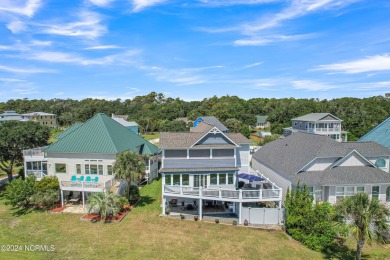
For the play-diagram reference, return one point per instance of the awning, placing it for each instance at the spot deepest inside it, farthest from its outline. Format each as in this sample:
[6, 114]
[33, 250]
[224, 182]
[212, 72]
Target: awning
[250, 177]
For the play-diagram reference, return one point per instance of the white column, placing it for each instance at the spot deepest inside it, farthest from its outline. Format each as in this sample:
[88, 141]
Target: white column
[188, 153]
[62, 198]
[235, 157]
[163, 158]
[200, 209]
[164, 202]
[240, 214]
[83, 194]
[211, 153]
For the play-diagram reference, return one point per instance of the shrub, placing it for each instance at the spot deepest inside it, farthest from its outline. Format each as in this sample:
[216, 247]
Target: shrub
[47, 183]
[45, 199]
[308, 223]
[134, 192]
[18, 192]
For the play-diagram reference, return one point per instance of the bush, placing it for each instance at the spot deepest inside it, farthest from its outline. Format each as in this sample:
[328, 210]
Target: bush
[308, 223]
[45, 199]
[47, 184]
[134, 192]
[18, 192]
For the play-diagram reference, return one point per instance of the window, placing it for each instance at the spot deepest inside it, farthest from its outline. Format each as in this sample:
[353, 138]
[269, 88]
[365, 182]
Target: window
[78, 168]
[214, 179]
[230, 178]
[175, 153]
[185, 178]
[306, 125]
[222, 179]
[388, 194]
[93, 169]
[295, 123]
[223, 152]
[310, 190]
[380, 163]
[109, 169]
[100, 169]
[60, 167]
[360, 189]
[348, 191]
[176, 179]
[375, 192]
[205, 153]
[87, 169]
[168, 180]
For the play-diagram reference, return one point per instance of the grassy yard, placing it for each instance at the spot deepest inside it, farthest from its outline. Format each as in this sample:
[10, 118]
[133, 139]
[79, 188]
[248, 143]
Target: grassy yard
[144, 235]
[151, 136]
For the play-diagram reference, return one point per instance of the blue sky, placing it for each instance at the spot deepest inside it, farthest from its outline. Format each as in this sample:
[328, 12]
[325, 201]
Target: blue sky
[194, 49]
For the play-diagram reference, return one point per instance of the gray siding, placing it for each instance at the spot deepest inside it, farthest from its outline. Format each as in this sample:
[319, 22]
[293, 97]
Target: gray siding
[198, 163]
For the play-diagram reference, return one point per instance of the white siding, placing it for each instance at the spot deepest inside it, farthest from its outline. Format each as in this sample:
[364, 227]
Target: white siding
[243, 158]
[387, 159]
[273, 176]
[319, 164]
[354, 160]
[77, 158]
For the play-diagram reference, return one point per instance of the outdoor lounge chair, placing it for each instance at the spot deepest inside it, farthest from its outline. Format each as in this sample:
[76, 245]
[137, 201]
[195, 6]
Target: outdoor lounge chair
[173, 202]
[95, 181]
[73, 180]
[81, 178]
[88, 181]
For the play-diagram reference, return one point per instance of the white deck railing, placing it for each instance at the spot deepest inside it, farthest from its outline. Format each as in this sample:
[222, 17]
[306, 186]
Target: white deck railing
[88, 184]
[260, 194]
[34, 152]
[37, 173]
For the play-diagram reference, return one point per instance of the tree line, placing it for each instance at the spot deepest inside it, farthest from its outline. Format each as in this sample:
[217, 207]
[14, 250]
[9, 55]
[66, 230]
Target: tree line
[154, 112]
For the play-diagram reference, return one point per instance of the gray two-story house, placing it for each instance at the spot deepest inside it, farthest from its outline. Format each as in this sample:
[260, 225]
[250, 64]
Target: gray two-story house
[331, 170]
[201, 174]
[320, 124]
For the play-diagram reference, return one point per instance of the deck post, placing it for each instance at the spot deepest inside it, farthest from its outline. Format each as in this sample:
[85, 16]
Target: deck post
[62, 198]
[200, 209]
[164, 202]
[83, 193]
[240, 214]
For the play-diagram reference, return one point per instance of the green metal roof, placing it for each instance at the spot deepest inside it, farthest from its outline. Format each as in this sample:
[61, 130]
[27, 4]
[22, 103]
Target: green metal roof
[103, 135]
[68, 130]
[261, 119]
[380, 134]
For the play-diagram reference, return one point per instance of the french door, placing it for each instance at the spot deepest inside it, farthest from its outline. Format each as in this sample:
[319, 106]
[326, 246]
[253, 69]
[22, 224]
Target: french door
[200, 180]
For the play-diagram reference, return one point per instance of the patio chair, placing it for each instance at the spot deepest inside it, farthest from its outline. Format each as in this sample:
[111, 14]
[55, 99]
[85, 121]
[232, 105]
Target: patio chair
[173, 202]
[88, 181]
[73, 180]
[96, 181]
[81, 178]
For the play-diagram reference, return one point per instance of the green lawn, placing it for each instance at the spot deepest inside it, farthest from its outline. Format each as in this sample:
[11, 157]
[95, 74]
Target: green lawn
[151, 136]
[144, 235]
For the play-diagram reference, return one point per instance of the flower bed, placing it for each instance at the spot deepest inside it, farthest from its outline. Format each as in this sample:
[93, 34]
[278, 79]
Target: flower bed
[95, 217]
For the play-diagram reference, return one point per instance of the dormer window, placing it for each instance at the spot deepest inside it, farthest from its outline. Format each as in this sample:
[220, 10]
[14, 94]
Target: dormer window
[380, 163]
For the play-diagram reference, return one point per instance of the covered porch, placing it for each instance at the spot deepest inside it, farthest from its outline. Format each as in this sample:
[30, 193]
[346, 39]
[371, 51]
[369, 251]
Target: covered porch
[75, 189]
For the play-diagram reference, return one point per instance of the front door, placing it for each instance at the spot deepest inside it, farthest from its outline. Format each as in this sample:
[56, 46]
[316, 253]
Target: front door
[200, 180]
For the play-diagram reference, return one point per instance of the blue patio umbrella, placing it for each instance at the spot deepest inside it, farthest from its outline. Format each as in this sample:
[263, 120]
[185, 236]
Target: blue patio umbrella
[250, 177]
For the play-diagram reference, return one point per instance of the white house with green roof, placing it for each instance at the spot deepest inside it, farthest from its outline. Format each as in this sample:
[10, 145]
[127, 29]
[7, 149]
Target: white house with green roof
[83, 156]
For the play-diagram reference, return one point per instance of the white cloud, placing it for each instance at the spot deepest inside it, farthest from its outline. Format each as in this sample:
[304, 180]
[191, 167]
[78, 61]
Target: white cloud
[235, 2]
[62, 57]
[40, 43]
[252, 65]
[101, 3]
[311, 85]
[368, 64]
[102, 47]
[59, 93]
[20, 7]
[187, 76]
[139, 5]
[259, 41]
[25, 70]
[11, 80]
[16, 26]
[296, 9]
[87, 26]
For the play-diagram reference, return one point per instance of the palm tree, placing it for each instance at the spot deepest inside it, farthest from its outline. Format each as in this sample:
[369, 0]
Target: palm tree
[129, 166]
[365, 218]
[104, 203]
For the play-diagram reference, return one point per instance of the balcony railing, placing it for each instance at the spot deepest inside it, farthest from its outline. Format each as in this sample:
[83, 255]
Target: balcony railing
[260, 194]
[37, 173]
[34, 152]
[87, 184]
[330, 129]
